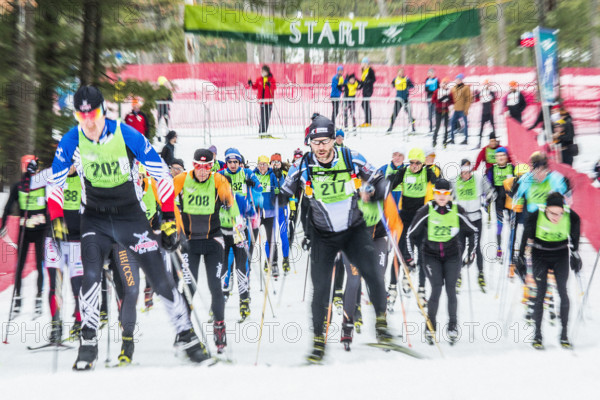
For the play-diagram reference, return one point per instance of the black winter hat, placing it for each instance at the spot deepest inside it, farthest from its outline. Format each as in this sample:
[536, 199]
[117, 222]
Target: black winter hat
[442, 184]
[87, 98]
[464, 162]
[321, 127]
[178, 161]
[203, 156]
[171, 135]
[555, 199]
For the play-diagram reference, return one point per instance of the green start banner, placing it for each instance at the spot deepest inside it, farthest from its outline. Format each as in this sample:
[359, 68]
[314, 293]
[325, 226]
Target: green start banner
[331, 32]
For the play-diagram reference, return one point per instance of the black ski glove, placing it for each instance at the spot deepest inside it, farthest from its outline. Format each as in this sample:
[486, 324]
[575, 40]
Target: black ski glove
[249, 82]
[520, 266]
[277, 173]
[306, 244]
[169, 235]
[249, 182]
[32, 167]
[411, 264]
[576, 263]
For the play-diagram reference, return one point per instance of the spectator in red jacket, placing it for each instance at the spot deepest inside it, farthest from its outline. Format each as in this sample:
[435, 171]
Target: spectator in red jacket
[265, 89]
[487, 155]
[137, 119]
[442, 100]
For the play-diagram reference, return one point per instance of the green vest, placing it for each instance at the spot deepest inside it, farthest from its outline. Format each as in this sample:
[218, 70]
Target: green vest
[442, 228]
[466, 190]
[500, 174]
[149, 201]
[370, 212]
[549, 232]
[332, 185]
[72, 193]
[538, 192]
[390, 171]
[105, 165]
[215, 167]
[415, 185]
[199, 197]
[35, 200]
[238, 182]
[265, 181]
[490, 155]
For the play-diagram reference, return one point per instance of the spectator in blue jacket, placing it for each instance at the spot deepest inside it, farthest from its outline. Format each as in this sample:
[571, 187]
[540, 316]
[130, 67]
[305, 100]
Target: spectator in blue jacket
[337, 83]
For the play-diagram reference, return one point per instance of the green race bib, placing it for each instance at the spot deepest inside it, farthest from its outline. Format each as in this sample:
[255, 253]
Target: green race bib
[35, 200]
[72, 193]
[199, 197]
[442, 228]
[549, 232]
[466, 190]
[105, 165]
[415, 185]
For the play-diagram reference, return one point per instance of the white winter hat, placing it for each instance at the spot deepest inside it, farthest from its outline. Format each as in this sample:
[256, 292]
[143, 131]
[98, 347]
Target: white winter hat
[398, 149]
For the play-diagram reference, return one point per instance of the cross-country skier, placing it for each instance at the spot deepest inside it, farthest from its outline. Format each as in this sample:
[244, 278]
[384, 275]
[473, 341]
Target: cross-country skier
[443, 226]
[552, 237]
[105, 152]
[67, 256]
[248, 191]
[334, 222]
[469, 190]
[29, 194]
[204, 193]
[501, 170]
[414, 179]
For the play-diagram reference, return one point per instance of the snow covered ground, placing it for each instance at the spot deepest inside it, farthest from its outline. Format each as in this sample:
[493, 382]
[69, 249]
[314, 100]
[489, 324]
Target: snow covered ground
[492, 360]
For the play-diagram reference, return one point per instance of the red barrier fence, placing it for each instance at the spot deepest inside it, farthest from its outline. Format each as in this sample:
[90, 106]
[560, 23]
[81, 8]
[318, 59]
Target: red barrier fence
[8, 256]
[585, 197]
[580, 87]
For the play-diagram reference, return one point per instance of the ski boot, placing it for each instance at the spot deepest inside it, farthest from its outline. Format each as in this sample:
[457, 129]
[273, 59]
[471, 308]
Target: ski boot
[338, 302]
[429, 336]
[358, 321]
[391, 298]
[148, 302]
[75, 331]
[318, 352]
[285, 265]
[194, 348]
[220, 336]
[16, 307]
[56, 331]
[38, 305]
[499, 254]
[422, 297]
[382, 333]
[275, 270]
[347, 330]
[481, 281]
[244, 309]
[266, 267]
[564, 340]
[88, 352]
[452, 333]
[537, 343]
[126, 354]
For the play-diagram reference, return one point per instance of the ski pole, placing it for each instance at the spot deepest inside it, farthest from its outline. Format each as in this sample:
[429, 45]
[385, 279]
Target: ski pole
[586, 295]
[262, 318]
[330, 303]
[10, 242]
[406, 272]
[108, 360]
[60, 296]
[470, 294]
[190, 300]
[396, 270]
[306, 277]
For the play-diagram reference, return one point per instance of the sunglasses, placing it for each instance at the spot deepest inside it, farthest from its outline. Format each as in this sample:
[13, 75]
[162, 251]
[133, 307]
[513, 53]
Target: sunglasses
[416, 163]
[233, 162]
[443, 192]
[93, 115]
[320, 142]
[203, 166]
